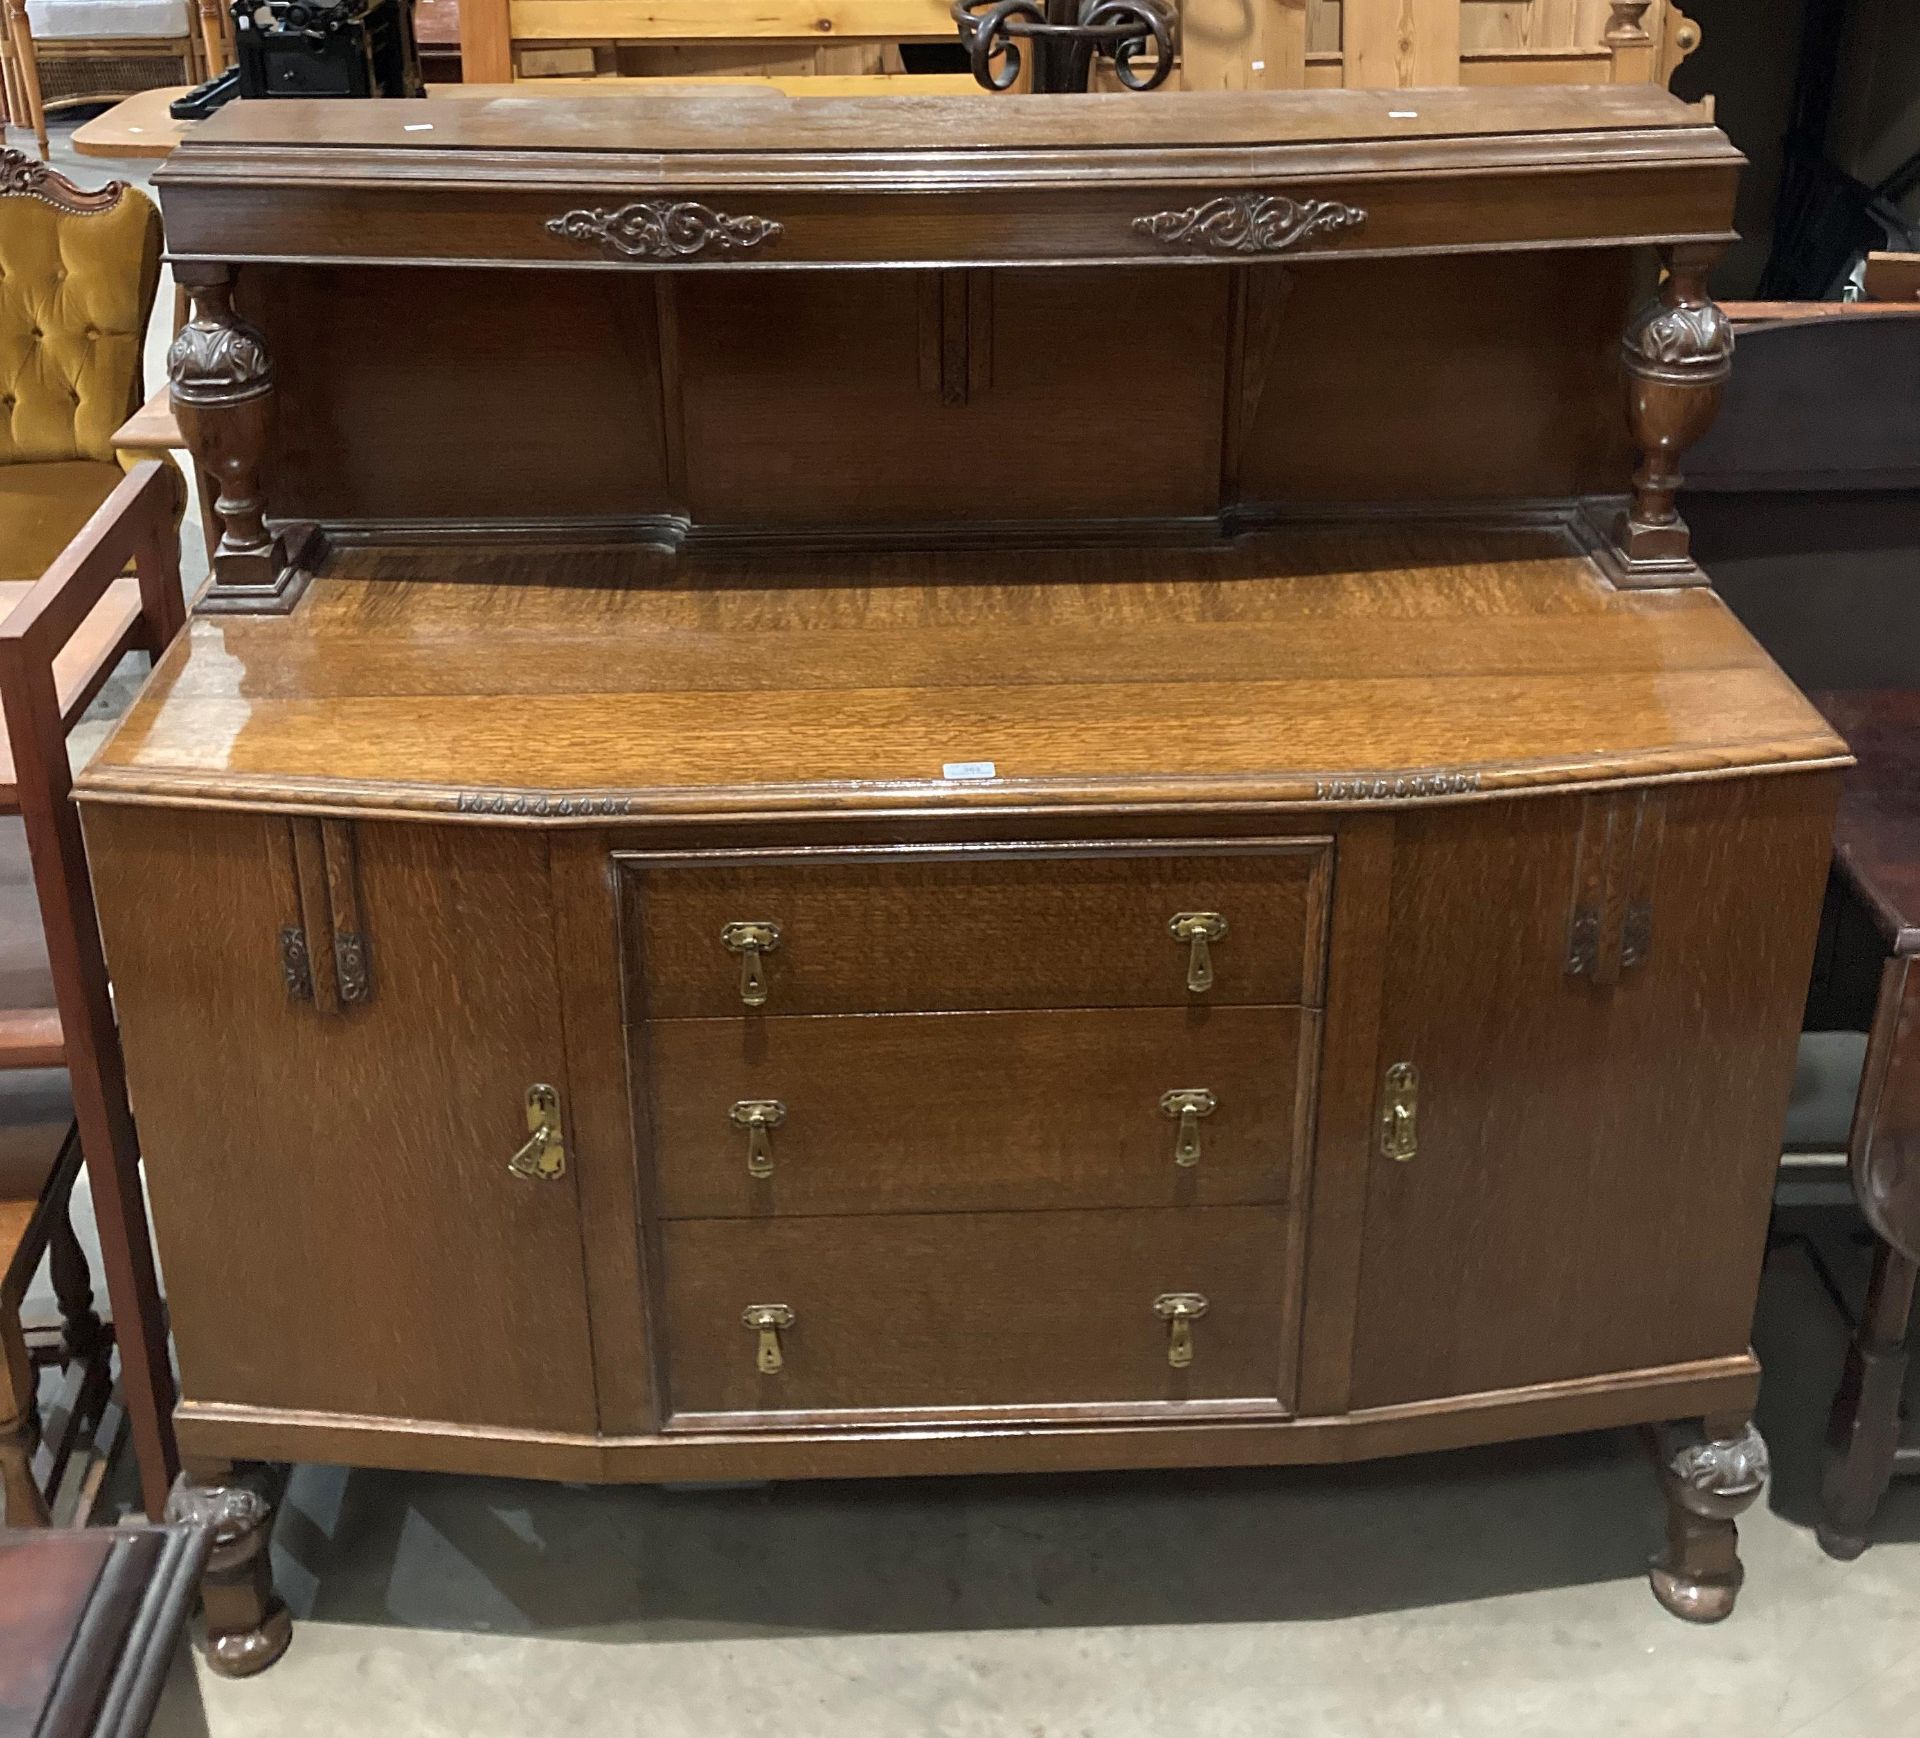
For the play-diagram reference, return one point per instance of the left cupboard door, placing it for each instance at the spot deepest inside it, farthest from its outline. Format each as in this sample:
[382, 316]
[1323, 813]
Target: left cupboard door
[338, 1224]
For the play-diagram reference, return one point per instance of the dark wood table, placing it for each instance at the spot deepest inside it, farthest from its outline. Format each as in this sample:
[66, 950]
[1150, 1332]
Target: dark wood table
[1877, 862]
[89, 1623]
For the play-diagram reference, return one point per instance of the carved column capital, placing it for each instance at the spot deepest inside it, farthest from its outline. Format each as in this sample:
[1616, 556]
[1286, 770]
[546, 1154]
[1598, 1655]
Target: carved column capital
[217, 358]
[1683, 335]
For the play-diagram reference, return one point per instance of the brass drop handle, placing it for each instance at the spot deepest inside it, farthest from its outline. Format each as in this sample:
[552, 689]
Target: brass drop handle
[758, 1116]
[1180, 1310]
[1400, 1113]
[544, 1157]
[767, 1320]
[1189, 1104]
[1198, 929]
[752, 942]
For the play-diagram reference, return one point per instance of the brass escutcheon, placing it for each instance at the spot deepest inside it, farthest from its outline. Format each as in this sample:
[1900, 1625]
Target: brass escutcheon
[543, 1158]
[1180, 1310]
[1189, 1104]
[752, 942]
[1400, 1113]
[758, 1116]
[767, 1320]
[1197, 929]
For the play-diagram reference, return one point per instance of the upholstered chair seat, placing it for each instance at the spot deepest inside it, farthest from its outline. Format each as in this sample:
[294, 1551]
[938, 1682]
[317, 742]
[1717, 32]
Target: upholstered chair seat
[77, 278]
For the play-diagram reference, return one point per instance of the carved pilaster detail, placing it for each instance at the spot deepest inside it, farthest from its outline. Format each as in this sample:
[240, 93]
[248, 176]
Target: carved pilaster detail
[350, 961]
[1709, 1481]
[1678, 353]
[664, 229]
[248, 1627]
[295, 965]
[1250, 223]
[1610, 927]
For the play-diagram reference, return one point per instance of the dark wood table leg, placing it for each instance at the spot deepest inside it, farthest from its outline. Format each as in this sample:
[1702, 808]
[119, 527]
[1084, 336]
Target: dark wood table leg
[248, 1626]
[1711, 1473]
[1863, 1433]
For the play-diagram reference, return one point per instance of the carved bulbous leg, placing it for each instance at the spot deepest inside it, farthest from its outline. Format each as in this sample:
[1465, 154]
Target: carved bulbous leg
[1863, 1433]
[1678, 353]
[248, 1628]
[1709, 1480]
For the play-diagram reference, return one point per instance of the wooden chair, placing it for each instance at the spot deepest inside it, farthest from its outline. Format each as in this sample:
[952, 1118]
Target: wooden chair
[58, 57]
[1804, 502]
[77, 278]
[60, 639]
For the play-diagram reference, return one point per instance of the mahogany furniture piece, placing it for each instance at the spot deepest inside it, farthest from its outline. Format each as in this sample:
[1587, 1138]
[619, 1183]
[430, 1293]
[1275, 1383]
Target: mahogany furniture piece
[956, 786]
[90, 1623]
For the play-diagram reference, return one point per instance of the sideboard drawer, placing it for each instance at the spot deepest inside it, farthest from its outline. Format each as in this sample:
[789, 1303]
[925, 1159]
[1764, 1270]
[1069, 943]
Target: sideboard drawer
[1126, 1107]
[945, 1313]
[910, 931]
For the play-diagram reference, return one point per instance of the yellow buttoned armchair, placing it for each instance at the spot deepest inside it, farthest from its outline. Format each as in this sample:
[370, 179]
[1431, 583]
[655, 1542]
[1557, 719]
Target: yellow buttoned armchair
[78, 273]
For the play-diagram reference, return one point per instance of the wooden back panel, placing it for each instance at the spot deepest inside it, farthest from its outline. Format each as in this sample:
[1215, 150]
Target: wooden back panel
[958, 397]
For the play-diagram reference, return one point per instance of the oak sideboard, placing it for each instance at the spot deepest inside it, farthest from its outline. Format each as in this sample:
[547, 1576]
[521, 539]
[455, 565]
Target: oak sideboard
[938, 785]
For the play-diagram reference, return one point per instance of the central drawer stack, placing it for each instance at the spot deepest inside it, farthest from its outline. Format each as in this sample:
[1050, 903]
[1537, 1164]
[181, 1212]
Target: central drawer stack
[956, 1130]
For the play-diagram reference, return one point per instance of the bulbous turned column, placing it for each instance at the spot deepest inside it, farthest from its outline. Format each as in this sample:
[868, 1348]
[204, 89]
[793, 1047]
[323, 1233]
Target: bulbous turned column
[221, 381]
[1678, 353]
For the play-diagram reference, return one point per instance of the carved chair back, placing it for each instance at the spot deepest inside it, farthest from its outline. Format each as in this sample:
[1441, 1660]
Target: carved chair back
[78, 272]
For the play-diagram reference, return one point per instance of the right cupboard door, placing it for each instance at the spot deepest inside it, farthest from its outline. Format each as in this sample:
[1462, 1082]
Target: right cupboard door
[1601, 995]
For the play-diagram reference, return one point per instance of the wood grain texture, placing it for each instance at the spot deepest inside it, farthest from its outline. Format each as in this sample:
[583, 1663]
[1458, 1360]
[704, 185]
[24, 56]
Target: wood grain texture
[1646, 1135]
[701, 20]
[1255, 671]
[923, 930]
[939, 1113]
[904, 1310]
[1016, 1445]
[1400, 44]
[408, 1269]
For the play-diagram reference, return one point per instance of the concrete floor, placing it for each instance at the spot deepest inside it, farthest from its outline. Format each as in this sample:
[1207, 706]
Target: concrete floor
[1497, 1592]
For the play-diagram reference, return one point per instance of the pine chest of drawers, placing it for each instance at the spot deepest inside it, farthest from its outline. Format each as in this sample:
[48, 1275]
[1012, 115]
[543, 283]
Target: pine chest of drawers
[1078, 837]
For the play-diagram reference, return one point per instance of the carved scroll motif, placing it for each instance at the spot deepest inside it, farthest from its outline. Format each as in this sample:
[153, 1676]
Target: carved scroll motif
[1717, 1480]
[663, 229]
[27, 177]
[1250, 223]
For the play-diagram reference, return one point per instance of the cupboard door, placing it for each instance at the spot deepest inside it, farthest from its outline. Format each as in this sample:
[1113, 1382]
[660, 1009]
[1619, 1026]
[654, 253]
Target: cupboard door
[338, 1225]
[1594, 1159]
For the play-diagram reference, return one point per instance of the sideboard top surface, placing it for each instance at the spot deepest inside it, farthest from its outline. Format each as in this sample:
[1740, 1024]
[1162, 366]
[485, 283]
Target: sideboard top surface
[1319, 664]
[900, 180]
[746, 118]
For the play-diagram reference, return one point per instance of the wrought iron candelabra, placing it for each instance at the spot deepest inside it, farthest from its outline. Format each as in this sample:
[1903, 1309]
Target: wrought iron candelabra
[1063, 37]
